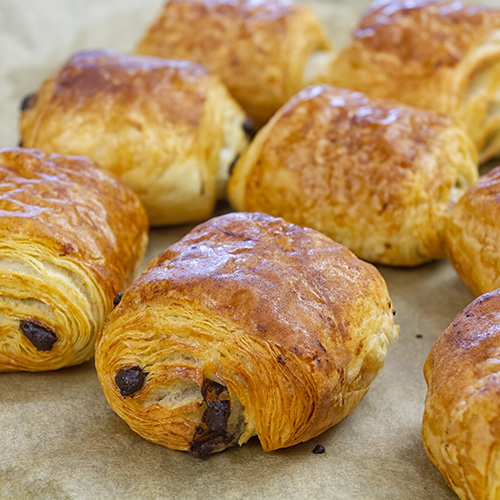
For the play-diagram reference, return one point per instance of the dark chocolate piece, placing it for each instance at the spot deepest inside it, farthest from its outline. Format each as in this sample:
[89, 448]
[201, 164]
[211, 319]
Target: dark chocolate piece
[130, 380]
[117, 299]
[29, 102]
[214, 421]
[42, 338]
[249, 127]
[318, 449]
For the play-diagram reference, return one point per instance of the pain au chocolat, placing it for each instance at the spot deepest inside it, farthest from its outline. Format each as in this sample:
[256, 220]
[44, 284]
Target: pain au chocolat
[375, 176]
[248, 326]
[264, 50]
[473, 235]
[461, 424]
[71, 238]
[441, 55]
[169, 129]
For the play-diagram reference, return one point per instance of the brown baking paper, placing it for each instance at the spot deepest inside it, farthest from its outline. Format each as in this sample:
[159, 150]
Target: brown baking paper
[60, 440]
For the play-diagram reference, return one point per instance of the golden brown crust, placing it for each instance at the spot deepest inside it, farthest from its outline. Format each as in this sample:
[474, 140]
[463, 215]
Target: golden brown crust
[440, 55]
[260, 49]
[375, 176]
[72, 238]
[473, 236]
[461, 425]
[160, 125]
[291, 323]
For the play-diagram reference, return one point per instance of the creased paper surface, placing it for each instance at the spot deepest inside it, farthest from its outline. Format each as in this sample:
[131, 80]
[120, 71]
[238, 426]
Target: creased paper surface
[59, 438]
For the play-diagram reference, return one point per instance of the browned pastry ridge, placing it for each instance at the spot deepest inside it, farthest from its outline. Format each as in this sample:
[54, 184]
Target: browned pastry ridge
[71, 237]
[440, 55]
[461, 425]
[169, 129]
[473, 235]
[263, 50]
[247, 326]
[378, 177]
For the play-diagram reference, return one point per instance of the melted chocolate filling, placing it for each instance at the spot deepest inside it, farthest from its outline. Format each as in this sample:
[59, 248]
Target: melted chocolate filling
[249, 127]
[130, 380]
[29, 102]
[117, 299]
[42, 338]
[213, 430]
[235, 161]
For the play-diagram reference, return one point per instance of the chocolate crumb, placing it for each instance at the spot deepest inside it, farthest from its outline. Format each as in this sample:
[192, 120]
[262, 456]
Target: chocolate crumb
[249, 127]
[42, 338]
[117, 299]
[319, 450]
[130, 380]
[419, 336]
[394, 312]
[29, 102]
[20, 144]
[281, 360]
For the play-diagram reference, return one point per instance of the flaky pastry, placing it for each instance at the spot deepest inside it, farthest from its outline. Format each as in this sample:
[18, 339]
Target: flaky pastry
[375, 176]
[263, 50]
[473, 235]
[461, 425]
[71, 238]
[440, 55]
[169, 129]
[248, 326]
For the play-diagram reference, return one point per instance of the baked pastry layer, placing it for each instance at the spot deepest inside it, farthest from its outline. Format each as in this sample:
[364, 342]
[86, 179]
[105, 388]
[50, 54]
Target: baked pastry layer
[473, 235]
[376, 176]
[169, 129]
[248, 326]
[263, 50]
[461, 425]
[441, 55]
[71, 237]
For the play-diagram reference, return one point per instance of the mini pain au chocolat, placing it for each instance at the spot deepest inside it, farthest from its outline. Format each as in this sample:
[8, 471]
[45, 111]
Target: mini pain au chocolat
[248, 326]
[473, 235]
[264, 50]
[441, 55]
[461, 424]
[169, 129]
[71, 237]
[375, 176]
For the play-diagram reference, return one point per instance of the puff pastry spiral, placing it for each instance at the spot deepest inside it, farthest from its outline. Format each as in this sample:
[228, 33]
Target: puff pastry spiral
[263, 50]
[461, 425]
[248, 326]
[169, 129]
[71, 238]
[473, 235]
[440, 55]
[375, 176]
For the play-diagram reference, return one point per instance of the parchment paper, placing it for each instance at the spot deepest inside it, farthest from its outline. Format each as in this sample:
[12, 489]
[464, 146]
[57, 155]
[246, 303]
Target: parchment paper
[60, 440]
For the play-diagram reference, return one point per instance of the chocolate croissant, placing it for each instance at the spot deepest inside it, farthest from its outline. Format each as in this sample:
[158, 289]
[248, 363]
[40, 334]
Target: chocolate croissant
[71, 237]
[473, 235]
[248, 326]
[440, 55]
[169, 129]
[461, 424]
[375, 176]
[264, 50]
